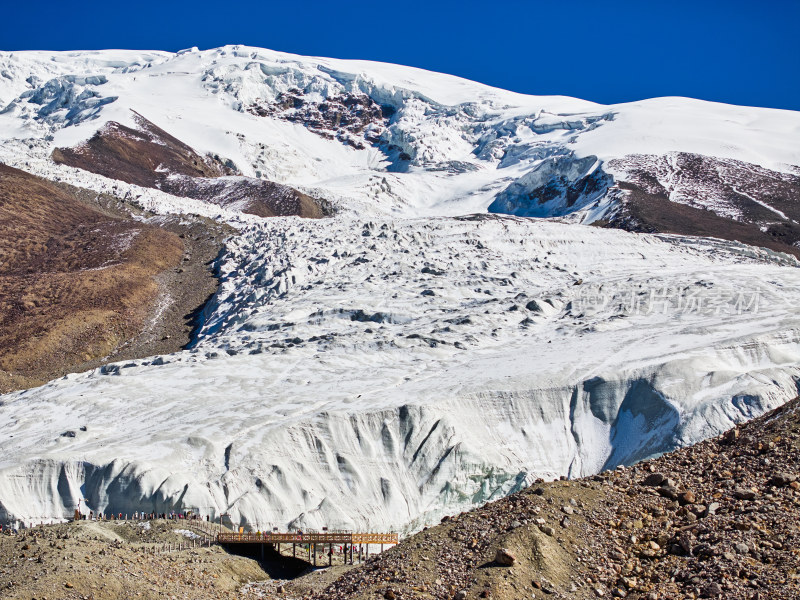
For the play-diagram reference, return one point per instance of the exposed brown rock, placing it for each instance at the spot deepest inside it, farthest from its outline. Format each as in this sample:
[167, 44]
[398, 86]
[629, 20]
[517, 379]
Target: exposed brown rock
[782, 479]
[720, 198]
[654, 479]
[253, 196]
[504, 557]
[150, 157]
[353, 119]
[144, 156]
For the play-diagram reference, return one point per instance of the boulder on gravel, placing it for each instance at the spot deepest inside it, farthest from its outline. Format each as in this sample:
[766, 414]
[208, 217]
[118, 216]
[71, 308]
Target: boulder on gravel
[654, 479]
[504, 557]
[782, 479]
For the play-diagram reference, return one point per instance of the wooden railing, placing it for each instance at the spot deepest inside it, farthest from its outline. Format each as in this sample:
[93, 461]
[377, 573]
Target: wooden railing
[308, 538]
[376, 538]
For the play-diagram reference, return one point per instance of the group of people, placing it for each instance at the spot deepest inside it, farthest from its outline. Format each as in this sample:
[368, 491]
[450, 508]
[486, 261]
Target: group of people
[138, 516]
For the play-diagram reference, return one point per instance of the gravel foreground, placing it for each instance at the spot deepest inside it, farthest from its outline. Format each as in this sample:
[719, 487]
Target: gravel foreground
[716, 520]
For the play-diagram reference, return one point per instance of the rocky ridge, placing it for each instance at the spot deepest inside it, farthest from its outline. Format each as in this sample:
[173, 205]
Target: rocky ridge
[690, 194]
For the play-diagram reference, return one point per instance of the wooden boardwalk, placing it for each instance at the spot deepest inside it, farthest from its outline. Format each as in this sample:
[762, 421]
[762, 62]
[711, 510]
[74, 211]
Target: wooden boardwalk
[308, 538]
[309, 543]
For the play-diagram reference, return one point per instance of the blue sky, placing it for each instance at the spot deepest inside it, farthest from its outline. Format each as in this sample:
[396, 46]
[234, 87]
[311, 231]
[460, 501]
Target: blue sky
[613, 51]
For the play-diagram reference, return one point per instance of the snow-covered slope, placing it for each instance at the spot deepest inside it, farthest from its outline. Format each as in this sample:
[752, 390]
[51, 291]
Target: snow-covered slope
[441, 146]
[402, 359]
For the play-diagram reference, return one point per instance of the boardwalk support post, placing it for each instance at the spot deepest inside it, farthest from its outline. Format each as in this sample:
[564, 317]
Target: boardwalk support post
[308, 543]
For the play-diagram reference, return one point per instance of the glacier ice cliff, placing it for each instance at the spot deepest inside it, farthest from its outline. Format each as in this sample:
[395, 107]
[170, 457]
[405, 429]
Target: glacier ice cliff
[361, 401]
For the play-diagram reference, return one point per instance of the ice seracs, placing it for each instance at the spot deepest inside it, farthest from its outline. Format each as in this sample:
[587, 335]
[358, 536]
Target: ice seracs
[441, 145]
[327, 388]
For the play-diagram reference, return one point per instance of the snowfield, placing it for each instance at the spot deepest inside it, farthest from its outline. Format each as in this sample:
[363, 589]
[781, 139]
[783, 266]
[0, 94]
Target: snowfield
[414, 355]
[464, 142]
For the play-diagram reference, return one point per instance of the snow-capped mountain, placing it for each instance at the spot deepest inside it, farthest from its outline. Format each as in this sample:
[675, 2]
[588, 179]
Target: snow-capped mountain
[379, 138]
[427, 347]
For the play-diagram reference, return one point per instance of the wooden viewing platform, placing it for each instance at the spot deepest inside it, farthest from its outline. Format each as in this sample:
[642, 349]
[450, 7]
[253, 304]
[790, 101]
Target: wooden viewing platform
[308, 538]
[308, 542]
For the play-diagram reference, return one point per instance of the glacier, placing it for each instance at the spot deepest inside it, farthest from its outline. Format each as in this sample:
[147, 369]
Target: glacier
[426, 349]
[358, 401]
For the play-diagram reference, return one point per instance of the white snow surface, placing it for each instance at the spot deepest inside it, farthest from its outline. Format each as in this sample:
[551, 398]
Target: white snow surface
[327, 390]
[399, 361]
[187, 533]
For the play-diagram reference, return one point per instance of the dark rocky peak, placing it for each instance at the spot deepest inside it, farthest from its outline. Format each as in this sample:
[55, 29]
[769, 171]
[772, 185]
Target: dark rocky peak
[352, 119]
[144, 156]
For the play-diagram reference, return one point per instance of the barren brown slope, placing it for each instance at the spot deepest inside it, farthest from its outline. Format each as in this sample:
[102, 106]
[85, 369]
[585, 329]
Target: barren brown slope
[254, 196]
[690, 194]
[150, 157]
[75, 282]
[134, 155]
[716, 520]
